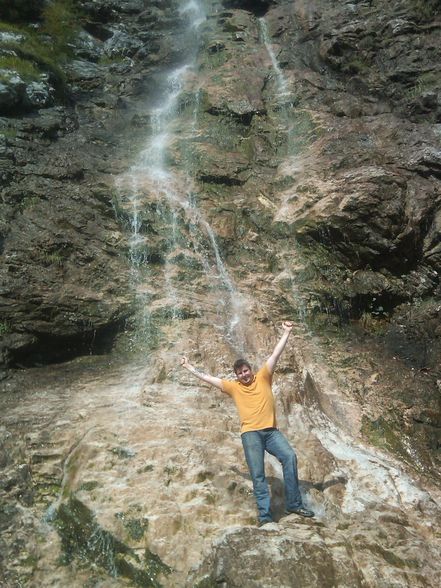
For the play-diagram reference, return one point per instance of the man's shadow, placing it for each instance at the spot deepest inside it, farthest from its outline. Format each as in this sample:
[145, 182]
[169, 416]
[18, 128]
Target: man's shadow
[278, 492]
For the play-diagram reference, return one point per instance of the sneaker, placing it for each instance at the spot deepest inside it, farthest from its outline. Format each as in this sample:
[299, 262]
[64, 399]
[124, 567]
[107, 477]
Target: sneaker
[303, 512]
[264, 522]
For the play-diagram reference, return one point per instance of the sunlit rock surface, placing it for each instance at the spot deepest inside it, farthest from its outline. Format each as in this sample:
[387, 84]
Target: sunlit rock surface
[237, 163]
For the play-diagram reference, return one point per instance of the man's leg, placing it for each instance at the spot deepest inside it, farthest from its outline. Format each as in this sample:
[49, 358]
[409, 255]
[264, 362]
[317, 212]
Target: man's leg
[277, 445]
[254, 448]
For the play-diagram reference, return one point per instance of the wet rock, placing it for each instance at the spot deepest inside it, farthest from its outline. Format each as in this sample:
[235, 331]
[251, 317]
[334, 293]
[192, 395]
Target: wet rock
[308, 555]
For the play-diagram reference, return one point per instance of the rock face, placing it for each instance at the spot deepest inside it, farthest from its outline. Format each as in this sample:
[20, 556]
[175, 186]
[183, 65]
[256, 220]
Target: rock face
[213, 169]
[64, 267]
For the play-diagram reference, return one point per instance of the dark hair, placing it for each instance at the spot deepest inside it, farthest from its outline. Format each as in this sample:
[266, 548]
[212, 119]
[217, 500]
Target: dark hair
[239, 363]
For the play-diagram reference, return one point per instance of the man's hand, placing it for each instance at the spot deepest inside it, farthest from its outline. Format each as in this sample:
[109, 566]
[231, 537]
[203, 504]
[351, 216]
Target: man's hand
[185, 363]
[278, 349]
[212, 380]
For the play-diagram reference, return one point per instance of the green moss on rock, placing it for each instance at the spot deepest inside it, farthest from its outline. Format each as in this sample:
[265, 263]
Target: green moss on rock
[90, 485]
[82, 537]
[384, 435]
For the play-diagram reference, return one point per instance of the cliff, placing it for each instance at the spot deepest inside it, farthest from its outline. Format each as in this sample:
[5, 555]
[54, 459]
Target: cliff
[179, 177]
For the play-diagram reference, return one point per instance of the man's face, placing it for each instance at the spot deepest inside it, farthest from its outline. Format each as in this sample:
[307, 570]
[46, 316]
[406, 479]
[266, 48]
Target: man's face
[244, 375]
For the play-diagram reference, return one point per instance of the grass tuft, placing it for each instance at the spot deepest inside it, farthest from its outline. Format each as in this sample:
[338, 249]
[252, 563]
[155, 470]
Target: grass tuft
[26, 69]
[60, 22]
[43, 49]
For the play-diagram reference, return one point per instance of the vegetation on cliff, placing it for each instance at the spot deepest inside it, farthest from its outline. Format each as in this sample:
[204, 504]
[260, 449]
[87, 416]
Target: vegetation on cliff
[38, 47]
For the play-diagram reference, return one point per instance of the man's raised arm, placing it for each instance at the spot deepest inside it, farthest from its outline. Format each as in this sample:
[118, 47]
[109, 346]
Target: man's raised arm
[204, 377]
[274, 357]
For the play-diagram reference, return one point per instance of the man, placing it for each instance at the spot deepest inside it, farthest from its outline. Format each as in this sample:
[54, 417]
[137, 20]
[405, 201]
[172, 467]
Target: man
[254, 400]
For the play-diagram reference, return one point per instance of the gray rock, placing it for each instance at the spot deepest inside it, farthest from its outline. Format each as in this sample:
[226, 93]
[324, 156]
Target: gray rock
[38, 95]
[132, 6]
[80, 69]
[427, 159]
[10, 37]
[122, 44]
[85, 46]
[400, 26]
[12, 89]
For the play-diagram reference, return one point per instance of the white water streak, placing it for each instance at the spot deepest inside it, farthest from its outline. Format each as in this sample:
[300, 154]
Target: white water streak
[151, 176]
[282, 84]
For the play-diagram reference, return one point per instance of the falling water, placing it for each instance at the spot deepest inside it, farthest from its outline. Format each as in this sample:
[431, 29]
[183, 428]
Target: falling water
[153, 179]
[282, 85]
[282, 104]
[283, 114]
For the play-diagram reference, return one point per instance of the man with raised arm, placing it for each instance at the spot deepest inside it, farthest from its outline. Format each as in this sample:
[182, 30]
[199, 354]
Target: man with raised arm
[254, 400]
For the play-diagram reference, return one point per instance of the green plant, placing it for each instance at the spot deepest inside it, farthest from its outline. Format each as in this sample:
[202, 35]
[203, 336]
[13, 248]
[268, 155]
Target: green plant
[44, 49]
[386, 435]
[210, 499]
[60, 21]
[29, 201]
[306, 189]
[8, 132]
[148, 468]
[425, 82]
[4, 328]
[7, 27]
[90, 485]
[54, 258]
[110, 59]
[355, 66]
[26, 69]
[425, 9]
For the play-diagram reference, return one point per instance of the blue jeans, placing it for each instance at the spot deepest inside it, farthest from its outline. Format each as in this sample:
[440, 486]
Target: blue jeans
[272, 440]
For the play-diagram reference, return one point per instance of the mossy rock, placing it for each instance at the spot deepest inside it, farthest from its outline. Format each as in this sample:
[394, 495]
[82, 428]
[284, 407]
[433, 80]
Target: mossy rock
[82, 537]
[135, 527]
[385, 435]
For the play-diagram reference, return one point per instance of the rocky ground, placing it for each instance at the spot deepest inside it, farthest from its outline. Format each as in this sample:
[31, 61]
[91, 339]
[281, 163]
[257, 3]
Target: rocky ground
[134, 475]
[297, 175]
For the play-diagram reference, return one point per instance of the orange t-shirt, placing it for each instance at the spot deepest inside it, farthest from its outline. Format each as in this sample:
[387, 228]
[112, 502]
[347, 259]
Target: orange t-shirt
[255, 402]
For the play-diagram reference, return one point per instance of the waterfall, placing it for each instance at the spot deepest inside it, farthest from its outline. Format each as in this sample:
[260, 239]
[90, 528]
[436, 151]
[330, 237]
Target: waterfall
[281, 111]
[170, 187]
[282, 84]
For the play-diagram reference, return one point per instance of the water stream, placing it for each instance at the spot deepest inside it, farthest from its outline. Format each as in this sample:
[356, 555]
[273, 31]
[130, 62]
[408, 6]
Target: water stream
[162, 179]
[281, 81]
[282, 112]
